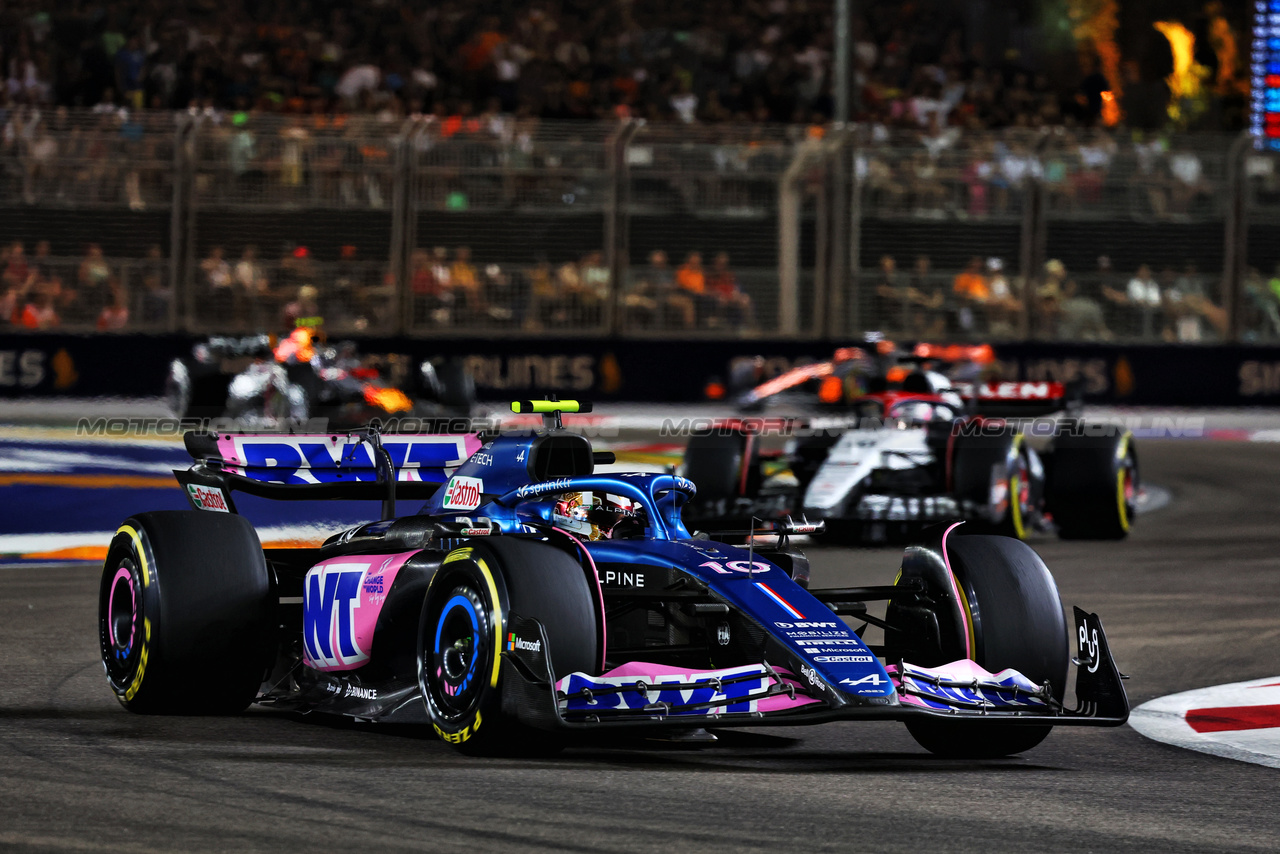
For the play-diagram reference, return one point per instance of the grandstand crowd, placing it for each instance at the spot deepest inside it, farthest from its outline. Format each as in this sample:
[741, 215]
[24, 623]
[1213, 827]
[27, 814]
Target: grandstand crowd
[710, 61]
[298, 104]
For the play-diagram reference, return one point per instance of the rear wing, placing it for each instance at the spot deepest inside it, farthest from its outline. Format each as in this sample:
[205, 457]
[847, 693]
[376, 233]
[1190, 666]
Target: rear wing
[1011, 399]
[361, 465]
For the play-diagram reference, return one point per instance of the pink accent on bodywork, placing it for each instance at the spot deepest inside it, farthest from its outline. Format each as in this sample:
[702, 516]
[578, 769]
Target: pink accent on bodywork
[364, 619]
[955, 590]
[964, 670]
[651, 673]
[595, 574]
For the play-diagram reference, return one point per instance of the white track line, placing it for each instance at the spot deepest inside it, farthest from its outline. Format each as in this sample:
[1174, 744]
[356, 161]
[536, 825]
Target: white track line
[1165, 720]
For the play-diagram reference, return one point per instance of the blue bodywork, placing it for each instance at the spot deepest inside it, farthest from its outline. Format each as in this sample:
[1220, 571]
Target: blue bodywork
[843, 669]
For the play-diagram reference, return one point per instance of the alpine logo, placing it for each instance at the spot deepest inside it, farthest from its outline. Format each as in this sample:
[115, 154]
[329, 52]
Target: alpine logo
[208, 498]
[514, 643]
[463, 493]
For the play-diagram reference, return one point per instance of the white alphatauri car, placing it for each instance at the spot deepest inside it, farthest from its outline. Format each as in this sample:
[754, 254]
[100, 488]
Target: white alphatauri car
[925, 453]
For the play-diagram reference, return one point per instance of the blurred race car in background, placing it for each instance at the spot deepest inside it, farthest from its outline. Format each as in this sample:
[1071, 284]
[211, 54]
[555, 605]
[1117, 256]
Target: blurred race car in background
[913, 447]
[261, 381]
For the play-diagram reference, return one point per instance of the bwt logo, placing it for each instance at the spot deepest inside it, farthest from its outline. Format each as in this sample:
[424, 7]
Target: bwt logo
[329, 615]
[463, 493]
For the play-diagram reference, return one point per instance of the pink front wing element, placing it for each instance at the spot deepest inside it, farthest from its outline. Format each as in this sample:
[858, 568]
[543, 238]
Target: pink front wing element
[655, 675]
[343, 598]
[964, 670]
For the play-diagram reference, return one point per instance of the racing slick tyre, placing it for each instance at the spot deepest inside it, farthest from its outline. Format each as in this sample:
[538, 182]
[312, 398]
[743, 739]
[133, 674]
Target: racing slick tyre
[808, 455]
[185, 616]
[457, 386]
[992, 473]
[724, 466]
[467, 624]
[1093, 483]
[195, 391]
[1009, 615]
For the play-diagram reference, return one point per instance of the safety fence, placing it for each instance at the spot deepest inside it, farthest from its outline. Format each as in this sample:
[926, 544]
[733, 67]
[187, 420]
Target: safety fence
[494, 225]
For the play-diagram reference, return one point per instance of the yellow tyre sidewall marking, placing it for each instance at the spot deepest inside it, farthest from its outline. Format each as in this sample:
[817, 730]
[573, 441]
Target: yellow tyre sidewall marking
[968, 619]
[1015, 496]
[1123, 506]
[495, 611]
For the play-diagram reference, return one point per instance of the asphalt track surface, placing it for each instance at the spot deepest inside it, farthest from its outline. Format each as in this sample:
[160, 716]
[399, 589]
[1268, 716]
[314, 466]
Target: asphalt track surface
[1192, 599]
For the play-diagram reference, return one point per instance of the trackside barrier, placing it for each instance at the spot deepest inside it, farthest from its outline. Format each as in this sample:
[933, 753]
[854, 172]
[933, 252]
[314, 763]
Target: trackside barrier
[658, 370]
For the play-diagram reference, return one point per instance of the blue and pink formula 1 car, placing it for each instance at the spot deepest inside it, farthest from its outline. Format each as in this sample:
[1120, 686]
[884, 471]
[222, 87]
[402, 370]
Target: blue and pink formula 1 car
[531, 599]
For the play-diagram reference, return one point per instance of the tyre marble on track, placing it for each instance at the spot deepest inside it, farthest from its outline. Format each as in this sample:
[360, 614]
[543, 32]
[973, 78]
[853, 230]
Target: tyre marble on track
[1191, 599]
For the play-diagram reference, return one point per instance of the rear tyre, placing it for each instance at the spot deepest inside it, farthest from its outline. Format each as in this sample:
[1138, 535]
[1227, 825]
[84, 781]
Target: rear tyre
[466, 625]
[185, 618]
[1013, 618]
[193, 390]
[457, 386]
[724, 467]
[992, 473]
[1093, 483]
[808, 455]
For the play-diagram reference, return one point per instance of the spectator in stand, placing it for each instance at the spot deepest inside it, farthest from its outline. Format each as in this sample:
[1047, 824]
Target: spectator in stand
[547, 304]
[970, 287]
[1081, 316]
[928, 293]
[17, 272]
[303, 311]
[1003, 306]
[215, 276]
[464, 284]
[672, 306]
[503, 297]
[156, 295]
[587, 299]
[10, 303]
[39, 311]
[1139, 301]
[1188, 182]
[691, 279]
[251, 290]
[1261, 309]
[115, 314]
[733, 305]
[428, 291]
[351, 278]
[889, 303]
[41, 261]
[569, 288]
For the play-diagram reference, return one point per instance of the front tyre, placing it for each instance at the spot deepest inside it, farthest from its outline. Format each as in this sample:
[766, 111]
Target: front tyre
[1010, 616]
[185, 618]
[467, 623]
